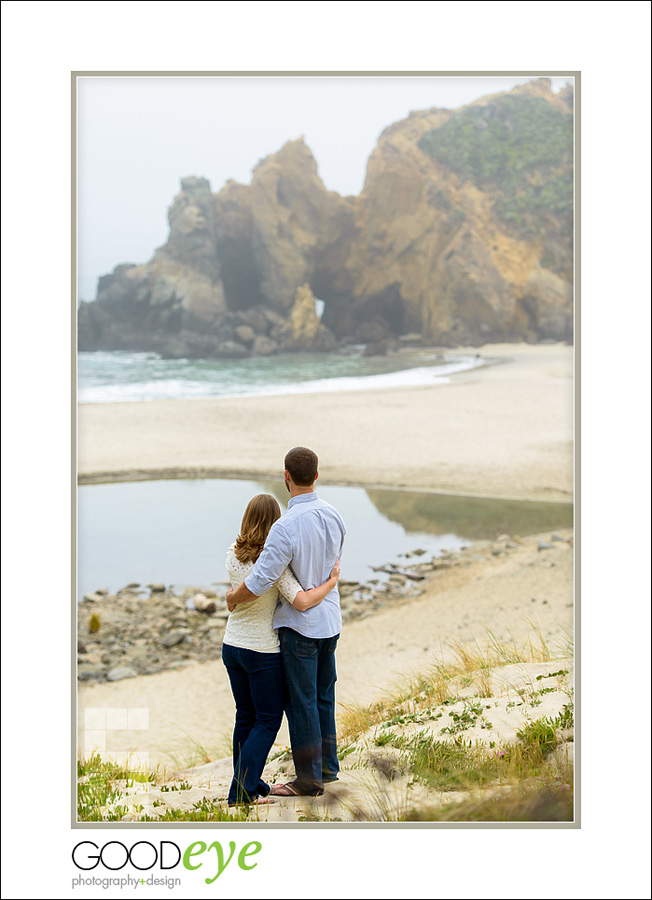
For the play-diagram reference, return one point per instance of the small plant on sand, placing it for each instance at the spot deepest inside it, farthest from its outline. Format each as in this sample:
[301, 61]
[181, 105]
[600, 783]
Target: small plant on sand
[381, 739]
[182, 786]
[283, 754]
[472, 711]
[94, 623]
[566, 718]
[558, 674]
[538, 738]
[344, 750]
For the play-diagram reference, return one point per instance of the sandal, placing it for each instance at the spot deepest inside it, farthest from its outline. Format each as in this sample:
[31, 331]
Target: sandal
[289, 790]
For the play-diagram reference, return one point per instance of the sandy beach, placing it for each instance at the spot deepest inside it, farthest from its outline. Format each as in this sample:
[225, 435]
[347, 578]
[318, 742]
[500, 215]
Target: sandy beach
[504, 430]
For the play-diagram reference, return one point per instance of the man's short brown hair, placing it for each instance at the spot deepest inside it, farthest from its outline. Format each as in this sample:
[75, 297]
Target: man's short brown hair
[302, 465]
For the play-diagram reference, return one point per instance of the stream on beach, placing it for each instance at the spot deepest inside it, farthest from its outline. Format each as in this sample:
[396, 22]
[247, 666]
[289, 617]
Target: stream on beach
[177, 531]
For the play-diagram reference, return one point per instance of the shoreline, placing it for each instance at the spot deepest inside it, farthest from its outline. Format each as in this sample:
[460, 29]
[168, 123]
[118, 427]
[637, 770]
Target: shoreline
[501, 431]
[435, 361]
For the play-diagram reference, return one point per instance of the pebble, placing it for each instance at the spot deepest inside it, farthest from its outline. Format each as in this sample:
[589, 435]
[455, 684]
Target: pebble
[86, 672]
[544, 545]
[120, 672]
[136, 654]
[174, 638]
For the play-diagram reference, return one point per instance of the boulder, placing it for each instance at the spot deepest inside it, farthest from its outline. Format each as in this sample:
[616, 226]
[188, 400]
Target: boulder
[264, 346]
[257, 319]
[245, 335]
[231, 350]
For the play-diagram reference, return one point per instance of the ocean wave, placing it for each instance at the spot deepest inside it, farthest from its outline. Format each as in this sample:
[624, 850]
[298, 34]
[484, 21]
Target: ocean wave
[188, 388]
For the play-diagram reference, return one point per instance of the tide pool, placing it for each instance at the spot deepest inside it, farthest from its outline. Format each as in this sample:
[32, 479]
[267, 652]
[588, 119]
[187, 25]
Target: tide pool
[178, 531]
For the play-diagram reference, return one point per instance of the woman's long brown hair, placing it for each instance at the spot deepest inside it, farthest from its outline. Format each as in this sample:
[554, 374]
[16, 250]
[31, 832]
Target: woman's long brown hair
[259, 516]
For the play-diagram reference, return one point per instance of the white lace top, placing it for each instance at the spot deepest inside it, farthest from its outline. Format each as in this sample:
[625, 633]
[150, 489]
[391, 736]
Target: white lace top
[250, 624]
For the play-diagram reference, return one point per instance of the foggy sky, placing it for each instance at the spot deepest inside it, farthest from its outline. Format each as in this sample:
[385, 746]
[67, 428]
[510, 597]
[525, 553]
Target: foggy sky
[138, 136]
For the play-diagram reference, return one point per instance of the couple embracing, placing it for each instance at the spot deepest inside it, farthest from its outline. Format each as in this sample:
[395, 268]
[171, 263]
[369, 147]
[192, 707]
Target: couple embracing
[280, 640]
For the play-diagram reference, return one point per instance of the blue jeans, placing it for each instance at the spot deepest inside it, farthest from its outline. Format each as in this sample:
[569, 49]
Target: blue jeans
[310, 676]
[257, 685]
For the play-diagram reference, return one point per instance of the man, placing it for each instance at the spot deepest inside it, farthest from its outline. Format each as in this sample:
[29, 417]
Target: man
[309, 538]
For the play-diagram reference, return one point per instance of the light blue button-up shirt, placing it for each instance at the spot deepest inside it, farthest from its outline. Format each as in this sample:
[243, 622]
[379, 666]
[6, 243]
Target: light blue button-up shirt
[309, 539]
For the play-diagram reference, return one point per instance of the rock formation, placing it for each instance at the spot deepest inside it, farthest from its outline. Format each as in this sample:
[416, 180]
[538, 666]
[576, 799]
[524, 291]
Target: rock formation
[461, 234]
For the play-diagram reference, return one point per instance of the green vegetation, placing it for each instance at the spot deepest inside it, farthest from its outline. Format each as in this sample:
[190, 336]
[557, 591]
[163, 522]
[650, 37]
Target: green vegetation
[521, 149]
[98, 791]
[101, 786]
[183, 786]
[539, 739]
[460, 765]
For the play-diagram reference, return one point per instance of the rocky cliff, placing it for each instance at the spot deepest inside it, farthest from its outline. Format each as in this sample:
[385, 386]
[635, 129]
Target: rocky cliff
[461, 234]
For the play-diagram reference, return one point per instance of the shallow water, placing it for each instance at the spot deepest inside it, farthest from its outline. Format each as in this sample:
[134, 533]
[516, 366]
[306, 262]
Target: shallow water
[178, 531]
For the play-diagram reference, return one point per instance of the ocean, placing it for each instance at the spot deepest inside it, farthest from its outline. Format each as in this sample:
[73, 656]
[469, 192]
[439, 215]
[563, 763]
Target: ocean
[119, 377]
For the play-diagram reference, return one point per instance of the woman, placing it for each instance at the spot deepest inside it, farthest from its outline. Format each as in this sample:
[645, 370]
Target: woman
[251, 652]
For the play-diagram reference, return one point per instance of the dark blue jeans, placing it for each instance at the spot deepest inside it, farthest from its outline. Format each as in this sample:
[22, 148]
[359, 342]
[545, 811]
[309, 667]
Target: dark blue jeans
[310, 676]
[257, 685]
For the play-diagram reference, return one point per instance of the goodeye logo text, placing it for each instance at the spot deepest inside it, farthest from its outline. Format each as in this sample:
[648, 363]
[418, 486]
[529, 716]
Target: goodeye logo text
[143, 856]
